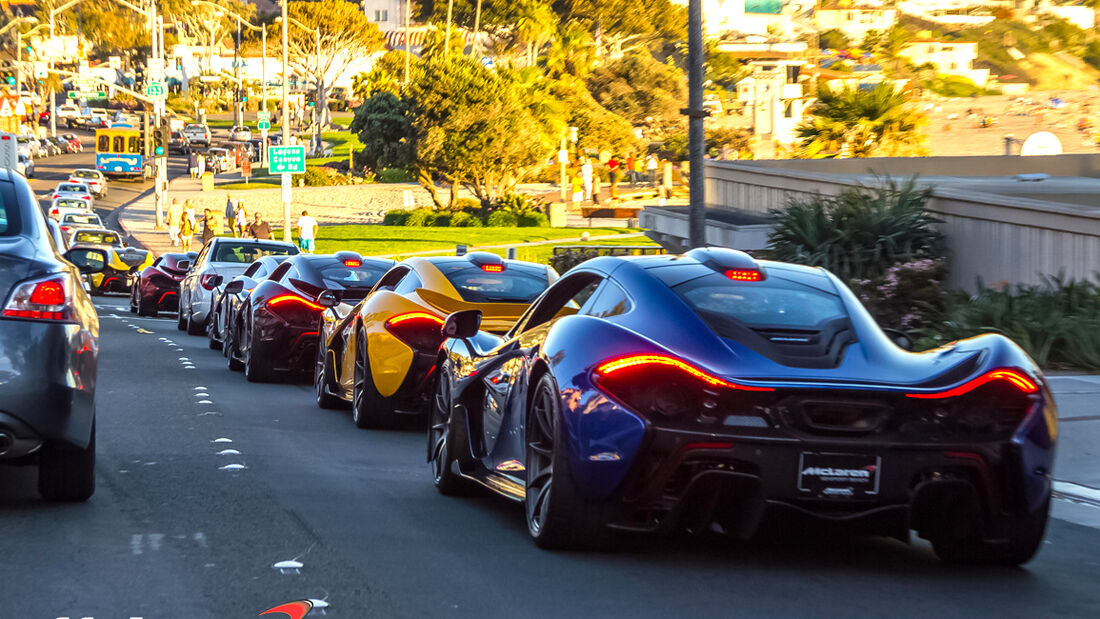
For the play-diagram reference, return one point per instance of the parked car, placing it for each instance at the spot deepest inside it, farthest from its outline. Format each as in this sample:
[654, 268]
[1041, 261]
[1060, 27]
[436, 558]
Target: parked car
[380, 359]
[275, 331]
[25, 166]
[94, 179]
[78, 147]
[224, 310]
[64, 146]
[48, 148]
[32, 146]
[715, 391]
[221, 258]
[59, 207]
[156, 288]
[240, 133]
[218, 160]
[73, 190]
[51, 327]
[197, 134]
[179, 143]
[67, 110]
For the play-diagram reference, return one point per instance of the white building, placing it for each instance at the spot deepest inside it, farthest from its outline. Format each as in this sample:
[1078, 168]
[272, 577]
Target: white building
[949, 57]
[772, 97]
[854, 20]
[955, 12]
[388, 15]
[1084, 17]
[759, 17]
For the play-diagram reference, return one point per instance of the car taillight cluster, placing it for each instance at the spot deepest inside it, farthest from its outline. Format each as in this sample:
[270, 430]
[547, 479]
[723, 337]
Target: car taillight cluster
[295, 309]
[664, 387]
[48, 298]
[207, 281]
[992, 404]
[420, 330]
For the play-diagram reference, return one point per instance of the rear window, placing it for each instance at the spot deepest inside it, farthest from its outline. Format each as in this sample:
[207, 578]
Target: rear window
[336, 275]
[249, 253]
[9, 210]
[775, 302]
[97, 238]
[71, 187]
[86, 174]
[516, 284]
[81, 219]
[72, 203]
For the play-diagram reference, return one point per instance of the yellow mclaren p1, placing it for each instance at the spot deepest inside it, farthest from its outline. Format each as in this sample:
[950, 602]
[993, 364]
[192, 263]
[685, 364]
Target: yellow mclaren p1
[123, 263]
[380, 354]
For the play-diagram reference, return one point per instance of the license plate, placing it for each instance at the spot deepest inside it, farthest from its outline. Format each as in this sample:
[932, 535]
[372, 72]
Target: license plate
[837, 475]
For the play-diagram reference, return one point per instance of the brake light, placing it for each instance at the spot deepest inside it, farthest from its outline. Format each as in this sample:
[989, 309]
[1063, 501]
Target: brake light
[54, 211]
[1010, 377]
[207, 281]
[66, 228]
[420, 330]
[353, 263]
[665, 387]
[47, 298]
[295, 309]
[492, 268]
[745, 275]
[290, 299]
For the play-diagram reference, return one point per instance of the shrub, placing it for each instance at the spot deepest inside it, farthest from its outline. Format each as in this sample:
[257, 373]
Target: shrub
[420, 217]
[910, 296]
[439, 220]
[532, 219]
[860, 233]
[465, 220]
[395, 218]
[466, 204]
[322, 176]
[502, 219]
[566, 260]
[395, 175]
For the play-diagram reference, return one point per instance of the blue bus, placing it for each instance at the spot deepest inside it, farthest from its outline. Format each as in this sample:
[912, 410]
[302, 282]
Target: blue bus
[119, 152]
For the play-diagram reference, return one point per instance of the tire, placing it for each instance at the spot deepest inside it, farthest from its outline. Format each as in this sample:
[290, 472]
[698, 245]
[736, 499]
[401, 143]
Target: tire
[255, 371]
[193, 327]
[1018, 547]
[325, 399]
[133, 300]
[66, 473]
[230, 350]
[369, 409]
[181, 322]
[211, 325]
[442, 437]
[558, 516]
[146, 308]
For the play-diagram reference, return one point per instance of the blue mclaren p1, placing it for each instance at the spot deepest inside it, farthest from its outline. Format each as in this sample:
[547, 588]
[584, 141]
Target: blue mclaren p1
[712, 391]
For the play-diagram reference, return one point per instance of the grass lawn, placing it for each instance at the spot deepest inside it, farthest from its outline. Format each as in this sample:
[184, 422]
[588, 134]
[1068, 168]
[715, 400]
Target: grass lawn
[256, 182]
[371, 240]
[341, 141]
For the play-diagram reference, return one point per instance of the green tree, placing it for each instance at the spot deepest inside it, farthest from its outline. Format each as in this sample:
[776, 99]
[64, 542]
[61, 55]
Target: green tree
[383, 126]
[723, 69]
[202, 23]
[851, 122]
[833, 39]
[571, 54]
[386, 75]
[637, 87]
[625, 25]
[346, 33]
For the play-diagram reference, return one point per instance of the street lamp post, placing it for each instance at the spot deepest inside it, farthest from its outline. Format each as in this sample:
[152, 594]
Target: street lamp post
[317, 102]
[285, 126]
[697, 219]
[19, 56]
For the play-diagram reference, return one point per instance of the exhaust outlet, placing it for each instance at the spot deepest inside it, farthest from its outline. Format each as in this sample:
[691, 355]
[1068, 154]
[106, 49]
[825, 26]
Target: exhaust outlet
[6, 441]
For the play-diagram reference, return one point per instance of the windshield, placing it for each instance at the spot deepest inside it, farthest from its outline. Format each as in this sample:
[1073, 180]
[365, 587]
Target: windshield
[515, 284]
[337, 275]
[774, 302]
[247, 253]
[97, 238]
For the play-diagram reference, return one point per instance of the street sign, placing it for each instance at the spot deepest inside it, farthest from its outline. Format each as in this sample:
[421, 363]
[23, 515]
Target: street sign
[263, 125]
[155, 89]
[288, 160]
[263, 116]
[41, 72]
[246, 167]
[87, 94]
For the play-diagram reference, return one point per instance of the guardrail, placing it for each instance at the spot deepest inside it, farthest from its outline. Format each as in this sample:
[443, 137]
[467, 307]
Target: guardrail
[613, 250]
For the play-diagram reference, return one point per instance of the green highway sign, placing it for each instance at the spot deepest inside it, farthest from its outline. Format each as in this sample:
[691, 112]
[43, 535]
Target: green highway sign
[287, 160]
[155, 89]
[263, 116]
[263, 124]
[87, 94]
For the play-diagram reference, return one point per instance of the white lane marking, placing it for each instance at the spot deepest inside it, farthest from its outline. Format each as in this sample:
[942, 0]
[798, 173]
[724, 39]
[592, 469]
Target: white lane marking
[200, 388]
[222, 440]
[204, 402]
[229, 452]
[135, 543]
[292, 566]
[184, 359]
[188, 367]
[208, 413]
[202, 395]
[232, 467]
[1077, 492]
[200, 539]
[154, 540]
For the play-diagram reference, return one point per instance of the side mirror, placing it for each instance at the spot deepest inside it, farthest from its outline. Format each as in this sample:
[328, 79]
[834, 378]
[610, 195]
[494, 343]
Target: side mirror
[183, 265]
[216, 281]
[234, 287]
[328, 298]
[462, 325]
[900, 338]
[88, 260]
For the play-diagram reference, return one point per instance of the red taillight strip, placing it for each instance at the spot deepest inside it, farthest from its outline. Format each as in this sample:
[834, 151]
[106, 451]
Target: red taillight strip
[745, 275]
[161, 299]
[286, 298]
[414, 316]
[1014, 378]
[610, 367]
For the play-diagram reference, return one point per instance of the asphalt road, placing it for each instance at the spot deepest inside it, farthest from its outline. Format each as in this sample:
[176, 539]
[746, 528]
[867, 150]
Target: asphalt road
[175, 531]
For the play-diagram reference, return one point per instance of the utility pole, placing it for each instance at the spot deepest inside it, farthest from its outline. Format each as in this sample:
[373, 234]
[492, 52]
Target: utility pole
[237, 77]
[697, 219]
[318, 99]
[477, 26]
[447, 36]
[285, 125]
[408, 18]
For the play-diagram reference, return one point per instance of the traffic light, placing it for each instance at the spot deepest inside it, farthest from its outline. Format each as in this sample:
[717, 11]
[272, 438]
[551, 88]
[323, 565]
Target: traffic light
[161, 136]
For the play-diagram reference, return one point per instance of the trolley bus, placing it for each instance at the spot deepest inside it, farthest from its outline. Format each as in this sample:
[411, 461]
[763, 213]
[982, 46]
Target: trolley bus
[119, 152]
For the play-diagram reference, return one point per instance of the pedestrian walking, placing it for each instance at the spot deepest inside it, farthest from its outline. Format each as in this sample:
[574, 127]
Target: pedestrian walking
[175, 211]
[651, 168]
[207, 226]
[596, 188]
[201, 161]
[193, 164]
[629, 168]
[307, 232]
[230, 212]
[586, 175]
[613, 166]
[578, 188]
[638, 169]
[259, 229]
[187, 227]
[240, 220]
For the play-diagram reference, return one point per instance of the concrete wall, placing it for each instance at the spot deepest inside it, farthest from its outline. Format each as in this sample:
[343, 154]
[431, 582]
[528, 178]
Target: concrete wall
[995, 238]
[1087, 165]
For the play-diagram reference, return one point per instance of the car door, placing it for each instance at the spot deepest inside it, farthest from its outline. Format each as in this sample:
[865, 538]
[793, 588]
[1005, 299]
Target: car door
[505, 375]
[346, 329]
[191, 279]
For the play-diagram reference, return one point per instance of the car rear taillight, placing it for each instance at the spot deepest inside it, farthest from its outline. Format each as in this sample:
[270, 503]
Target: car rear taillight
[207, 281]
[992, 404]
[87, 197]
[420, 330]
[48, 298]
[54, 211]
[1018, 380]
[66, 228]
[665, 387]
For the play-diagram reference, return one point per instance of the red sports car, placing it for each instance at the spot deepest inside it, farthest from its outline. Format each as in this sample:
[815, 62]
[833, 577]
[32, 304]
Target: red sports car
[157, 287]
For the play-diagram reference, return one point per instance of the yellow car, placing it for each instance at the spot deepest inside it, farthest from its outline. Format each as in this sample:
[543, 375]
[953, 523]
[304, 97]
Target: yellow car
[123, 263]
[380, 355]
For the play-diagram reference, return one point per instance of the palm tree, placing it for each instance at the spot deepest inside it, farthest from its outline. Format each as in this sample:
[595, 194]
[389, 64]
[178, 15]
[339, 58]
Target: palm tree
[852, 122]
[535, 25]
[572, 52]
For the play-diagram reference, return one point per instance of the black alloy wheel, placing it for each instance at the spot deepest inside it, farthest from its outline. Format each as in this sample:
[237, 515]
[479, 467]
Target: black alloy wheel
[369, 409]
[443, 437]
[212, 322]
[231, 350]
[255, 371]
[181, 321]
[325, 399]
[558, 515]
